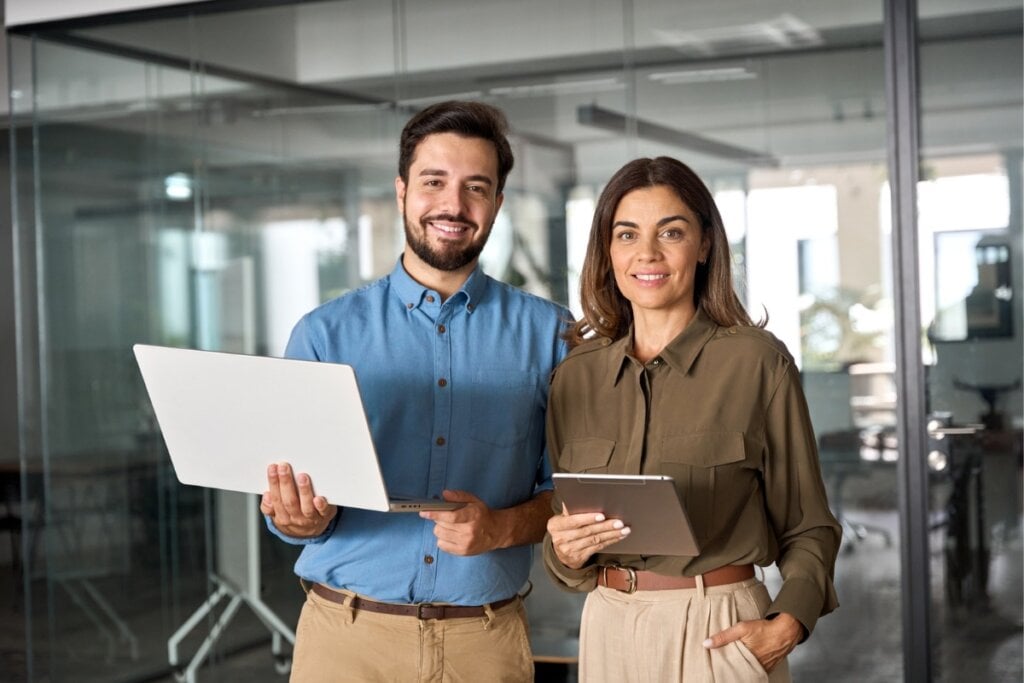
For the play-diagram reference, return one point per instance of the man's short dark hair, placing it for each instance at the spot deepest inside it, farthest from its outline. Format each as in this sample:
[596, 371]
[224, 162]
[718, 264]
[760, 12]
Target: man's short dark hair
[468, 119]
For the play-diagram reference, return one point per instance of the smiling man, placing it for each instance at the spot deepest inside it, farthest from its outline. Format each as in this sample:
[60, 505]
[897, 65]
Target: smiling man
[453, 368]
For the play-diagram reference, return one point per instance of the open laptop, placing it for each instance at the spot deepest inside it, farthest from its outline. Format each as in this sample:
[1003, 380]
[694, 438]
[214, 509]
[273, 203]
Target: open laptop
[225, 417]
[648, 504]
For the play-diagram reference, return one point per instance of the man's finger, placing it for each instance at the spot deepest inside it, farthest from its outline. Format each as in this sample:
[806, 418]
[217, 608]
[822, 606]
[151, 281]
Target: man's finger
[289, 491]
[306, 495]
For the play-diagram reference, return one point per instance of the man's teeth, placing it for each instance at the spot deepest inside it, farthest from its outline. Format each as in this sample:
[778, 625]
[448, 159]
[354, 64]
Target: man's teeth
[650, 277]
[449, 228]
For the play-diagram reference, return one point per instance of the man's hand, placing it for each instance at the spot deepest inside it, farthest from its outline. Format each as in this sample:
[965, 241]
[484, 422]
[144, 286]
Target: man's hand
[472, 529]
[768, 640]
[291, 505]
[575, 538]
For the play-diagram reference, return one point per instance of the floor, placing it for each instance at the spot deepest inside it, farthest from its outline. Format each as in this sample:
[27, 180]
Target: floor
[860, 642]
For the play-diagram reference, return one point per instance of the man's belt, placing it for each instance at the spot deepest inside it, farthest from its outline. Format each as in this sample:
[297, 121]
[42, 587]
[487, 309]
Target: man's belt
[423, 610]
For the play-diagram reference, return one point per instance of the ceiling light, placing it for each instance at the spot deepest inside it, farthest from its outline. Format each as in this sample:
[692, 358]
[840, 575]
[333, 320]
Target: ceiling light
[731, 73]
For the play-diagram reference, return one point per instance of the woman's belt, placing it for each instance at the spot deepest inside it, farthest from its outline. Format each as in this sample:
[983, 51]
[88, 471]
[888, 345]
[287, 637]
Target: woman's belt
[630, 580]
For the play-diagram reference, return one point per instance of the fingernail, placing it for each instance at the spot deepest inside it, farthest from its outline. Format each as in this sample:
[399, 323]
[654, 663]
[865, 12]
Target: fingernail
[282, 469]
[599, 517]
[618, 524]
[303, 479]
[707, 643]
[625, 532]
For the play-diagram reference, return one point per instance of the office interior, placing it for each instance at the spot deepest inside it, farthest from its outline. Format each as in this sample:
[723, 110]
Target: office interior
[201, 174]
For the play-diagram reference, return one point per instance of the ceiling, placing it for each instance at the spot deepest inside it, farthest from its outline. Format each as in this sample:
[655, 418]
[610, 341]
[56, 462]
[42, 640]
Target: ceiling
[727, 84]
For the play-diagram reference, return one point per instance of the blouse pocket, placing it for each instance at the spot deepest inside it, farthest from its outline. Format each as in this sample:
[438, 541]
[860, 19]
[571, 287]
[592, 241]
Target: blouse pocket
[711, 470]
[587, 455]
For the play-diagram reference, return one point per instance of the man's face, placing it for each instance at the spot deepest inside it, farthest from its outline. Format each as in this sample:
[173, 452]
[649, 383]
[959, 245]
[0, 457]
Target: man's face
[451, 200]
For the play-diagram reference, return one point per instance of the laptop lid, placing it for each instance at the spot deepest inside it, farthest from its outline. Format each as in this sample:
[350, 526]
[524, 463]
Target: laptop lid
[225, 417]
[648, 504]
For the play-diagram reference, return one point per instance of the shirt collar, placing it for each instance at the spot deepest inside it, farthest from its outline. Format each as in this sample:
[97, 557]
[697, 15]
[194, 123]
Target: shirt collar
[680, 353]
[412, 293]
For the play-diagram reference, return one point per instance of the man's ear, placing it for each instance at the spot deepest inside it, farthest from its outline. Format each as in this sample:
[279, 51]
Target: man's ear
[400, 193]
[497, 202]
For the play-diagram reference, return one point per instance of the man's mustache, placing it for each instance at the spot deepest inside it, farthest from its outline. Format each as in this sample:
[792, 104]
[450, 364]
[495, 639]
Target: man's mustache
[450, 218]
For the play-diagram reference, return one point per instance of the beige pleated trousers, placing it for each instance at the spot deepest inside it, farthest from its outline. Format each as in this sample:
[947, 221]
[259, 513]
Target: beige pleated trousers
[658, 636]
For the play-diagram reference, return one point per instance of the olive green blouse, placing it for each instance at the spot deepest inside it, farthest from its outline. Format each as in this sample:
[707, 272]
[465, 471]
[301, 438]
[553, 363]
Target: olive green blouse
[721, 410]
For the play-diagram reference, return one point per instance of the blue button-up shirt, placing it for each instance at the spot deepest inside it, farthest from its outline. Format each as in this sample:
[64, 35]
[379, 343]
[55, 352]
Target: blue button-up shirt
[455, 395]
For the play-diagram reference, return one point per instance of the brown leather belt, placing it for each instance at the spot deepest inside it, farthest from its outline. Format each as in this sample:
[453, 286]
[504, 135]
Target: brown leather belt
[630, 580]
[423, 610]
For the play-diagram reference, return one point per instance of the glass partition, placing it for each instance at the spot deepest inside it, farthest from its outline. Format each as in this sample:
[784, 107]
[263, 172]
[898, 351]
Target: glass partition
[970, 247]
[203, 180]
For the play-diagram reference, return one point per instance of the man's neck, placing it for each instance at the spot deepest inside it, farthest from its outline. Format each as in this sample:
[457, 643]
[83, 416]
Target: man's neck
[444, 282]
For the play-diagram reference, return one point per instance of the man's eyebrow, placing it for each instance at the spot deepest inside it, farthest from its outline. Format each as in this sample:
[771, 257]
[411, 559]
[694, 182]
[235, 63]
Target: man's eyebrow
[444, 173]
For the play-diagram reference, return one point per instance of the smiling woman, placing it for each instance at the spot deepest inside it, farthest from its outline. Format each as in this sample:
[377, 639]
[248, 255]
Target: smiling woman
[682, 384]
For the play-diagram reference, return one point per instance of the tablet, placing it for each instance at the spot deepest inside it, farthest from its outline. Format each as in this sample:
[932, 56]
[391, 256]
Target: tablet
[649, 506]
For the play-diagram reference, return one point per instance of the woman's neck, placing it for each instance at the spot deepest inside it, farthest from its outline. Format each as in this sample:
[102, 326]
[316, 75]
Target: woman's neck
[653, 330]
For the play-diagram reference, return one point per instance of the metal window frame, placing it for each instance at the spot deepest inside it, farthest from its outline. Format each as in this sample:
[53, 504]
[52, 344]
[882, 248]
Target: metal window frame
[901, 76]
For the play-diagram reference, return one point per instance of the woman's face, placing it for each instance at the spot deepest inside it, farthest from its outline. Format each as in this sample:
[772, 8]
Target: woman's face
[657, 242]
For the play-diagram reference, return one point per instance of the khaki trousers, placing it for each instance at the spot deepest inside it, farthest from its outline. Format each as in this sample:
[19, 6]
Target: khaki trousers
[334, 642]
[657, 636]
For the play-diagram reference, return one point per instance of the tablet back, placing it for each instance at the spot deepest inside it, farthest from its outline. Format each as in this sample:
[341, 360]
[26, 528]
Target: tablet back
[225, 417]
[649, 506]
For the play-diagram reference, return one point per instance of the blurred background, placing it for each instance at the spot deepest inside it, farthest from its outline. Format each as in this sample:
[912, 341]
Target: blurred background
[201, 174]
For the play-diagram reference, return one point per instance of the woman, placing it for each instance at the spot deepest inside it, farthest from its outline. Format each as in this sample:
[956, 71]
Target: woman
[668, 375]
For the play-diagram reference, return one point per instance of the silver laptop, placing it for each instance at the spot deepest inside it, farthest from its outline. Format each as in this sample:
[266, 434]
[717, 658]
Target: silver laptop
[225, 417]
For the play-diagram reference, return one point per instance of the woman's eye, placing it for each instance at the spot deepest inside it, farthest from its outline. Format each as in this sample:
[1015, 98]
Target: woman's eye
[672, 234]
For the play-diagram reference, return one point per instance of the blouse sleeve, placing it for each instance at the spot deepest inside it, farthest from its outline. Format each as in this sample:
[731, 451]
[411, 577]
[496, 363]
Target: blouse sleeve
[807, 532]
[585, 578]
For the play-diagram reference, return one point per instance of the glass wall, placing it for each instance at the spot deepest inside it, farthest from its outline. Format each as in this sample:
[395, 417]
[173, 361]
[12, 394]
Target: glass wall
[969, 232]
[203, 180]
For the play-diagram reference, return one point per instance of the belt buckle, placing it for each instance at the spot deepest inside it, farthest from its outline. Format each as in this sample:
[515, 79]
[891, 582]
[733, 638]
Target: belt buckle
[419, 609]
[630, 577]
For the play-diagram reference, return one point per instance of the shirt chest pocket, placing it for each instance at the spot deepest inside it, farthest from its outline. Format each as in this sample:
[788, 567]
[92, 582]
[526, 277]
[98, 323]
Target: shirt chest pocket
[502, 408]
[714, 471]
[587, 455]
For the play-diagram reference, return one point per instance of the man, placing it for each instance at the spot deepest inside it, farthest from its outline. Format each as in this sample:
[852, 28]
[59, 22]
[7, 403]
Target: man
[453, 367]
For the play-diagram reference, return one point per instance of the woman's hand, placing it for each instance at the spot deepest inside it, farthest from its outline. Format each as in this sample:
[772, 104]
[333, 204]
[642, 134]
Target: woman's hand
[575, 538]
[768, 640]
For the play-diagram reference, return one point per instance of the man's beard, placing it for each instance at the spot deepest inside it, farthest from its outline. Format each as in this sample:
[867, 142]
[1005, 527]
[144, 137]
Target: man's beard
[448, 259]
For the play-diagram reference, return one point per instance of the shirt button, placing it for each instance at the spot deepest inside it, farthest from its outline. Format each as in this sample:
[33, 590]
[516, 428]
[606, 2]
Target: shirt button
[429, 559]
[409, 306]
[440, 441]
[469, 307]
[440, 329]
[430, 298]
[442, 382]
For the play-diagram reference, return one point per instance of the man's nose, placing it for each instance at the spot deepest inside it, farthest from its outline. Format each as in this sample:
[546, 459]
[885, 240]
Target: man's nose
[451, 200]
